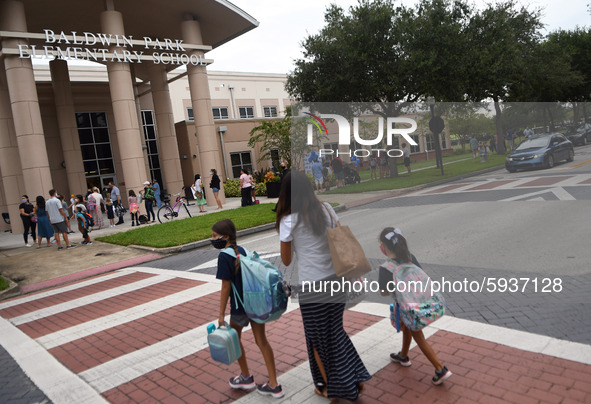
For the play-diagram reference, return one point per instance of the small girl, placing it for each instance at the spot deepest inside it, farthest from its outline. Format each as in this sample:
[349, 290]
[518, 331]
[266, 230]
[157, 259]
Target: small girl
[82, 227]
[223, 235]
[134, 209]
[394, 246]
[110, 212]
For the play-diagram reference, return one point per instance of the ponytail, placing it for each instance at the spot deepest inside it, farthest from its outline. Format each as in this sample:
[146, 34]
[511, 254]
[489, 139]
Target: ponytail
[226, 227]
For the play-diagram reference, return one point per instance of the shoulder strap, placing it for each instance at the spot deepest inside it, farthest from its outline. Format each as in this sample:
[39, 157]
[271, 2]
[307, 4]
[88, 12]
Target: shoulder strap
[333, 219]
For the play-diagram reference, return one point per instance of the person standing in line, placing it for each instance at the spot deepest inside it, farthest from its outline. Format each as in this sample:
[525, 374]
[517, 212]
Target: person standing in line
[318, 176]
[528, 132]
[282, 174]
[58, 219]
[253, 187]
[44, 229]
[373, 166]
[302, 221]
[110, 212]
[199, 193]
[394, 246]
[134, 209]
[83, 226]
[474, 146]
[223, 235]
[116, 198]
[339, 171]
[148, 196]
[26, 210]
[384, 167]
[65, 207]
[406, 155]
[215, 186]
[245, 188]
[493, 144]
[97, 213]
[156, 188]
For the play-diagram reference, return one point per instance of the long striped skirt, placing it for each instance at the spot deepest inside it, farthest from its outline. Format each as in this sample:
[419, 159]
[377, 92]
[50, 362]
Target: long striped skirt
[323, 326]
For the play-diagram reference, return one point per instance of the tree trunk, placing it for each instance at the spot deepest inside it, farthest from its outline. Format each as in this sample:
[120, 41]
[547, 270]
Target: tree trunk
[499, 127]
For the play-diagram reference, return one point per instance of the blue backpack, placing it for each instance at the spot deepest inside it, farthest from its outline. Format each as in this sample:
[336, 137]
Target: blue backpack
[262, 288]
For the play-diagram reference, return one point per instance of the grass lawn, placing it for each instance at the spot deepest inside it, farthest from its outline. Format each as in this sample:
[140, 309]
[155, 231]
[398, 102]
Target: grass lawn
[3, 283]
[179, 232]
[424, 176]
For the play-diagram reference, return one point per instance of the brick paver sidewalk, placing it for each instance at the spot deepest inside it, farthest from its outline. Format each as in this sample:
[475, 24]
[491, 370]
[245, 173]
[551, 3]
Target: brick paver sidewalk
[139, 335]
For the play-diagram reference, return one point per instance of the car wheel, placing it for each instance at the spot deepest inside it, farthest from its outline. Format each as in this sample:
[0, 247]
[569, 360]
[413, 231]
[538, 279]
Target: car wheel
[550, 162]
[511, 170]
[571, 155]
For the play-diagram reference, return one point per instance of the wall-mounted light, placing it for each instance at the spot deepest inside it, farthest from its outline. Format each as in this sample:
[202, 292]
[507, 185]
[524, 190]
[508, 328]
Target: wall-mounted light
[184, 157]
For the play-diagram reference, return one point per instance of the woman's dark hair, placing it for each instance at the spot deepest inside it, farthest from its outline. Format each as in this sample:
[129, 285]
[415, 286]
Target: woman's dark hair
[245, 171]
[80, 198]
[310, 211]
[26, 196]
[396, 243]
[197, 176]
[214, 171]
[131, 192]
[226, 227]
[40, 202]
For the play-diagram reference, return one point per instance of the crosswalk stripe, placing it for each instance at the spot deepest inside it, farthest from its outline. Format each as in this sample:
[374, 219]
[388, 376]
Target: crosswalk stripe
[58, 383]
[52, 292]
[123, 369]
[64, 336]
[96, 297]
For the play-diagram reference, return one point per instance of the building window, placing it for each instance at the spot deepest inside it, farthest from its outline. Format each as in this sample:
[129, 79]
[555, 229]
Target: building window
[149, 127]
[246, 112]
[220, 112]
[417, 148]
[270, 112]
[190, 114]
[240, 160]
[443, 141]
[95, 145]
[332, 146]
[430, 142]
[275, 160]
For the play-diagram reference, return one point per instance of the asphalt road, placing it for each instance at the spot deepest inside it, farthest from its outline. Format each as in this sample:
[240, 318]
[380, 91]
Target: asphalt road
[525, 235]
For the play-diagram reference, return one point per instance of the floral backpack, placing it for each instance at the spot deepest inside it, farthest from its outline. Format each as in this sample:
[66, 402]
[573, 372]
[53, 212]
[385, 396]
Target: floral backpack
[91, 205]
[417, 305]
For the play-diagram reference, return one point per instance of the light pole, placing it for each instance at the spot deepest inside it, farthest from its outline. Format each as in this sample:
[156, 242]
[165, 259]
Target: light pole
[436, 125]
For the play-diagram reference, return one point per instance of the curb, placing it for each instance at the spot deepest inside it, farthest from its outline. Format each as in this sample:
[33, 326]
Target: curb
[12, 290]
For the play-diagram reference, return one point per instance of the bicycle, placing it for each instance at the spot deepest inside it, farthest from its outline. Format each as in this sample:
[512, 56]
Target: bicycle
[167, 212]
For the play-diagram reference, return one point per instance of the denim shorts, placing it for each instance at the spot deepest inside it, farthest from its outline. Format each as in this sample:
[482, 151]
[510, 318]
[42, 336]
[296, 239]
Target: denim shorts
[241, 319]
[215, 190]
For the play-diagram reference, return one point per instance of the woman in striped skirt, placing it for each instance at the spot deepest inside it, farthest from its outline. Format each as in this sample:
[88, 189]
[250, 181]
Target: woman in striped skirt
[337, 369]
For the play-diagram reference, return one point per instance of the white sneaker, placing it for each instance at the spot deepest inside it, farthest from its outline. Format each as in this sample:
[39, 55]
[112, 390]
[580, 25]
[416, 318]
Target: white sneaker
[28, 245]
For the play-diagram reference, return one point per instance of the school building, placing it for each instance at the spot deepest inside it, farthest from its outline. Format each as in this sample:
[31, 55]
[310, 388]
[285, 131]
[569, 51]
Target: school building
[148, 107]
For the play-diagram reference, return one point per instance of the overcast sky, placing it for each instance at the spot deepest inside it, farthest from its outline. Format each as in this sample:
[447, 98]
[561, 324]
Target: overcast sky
[275, 43]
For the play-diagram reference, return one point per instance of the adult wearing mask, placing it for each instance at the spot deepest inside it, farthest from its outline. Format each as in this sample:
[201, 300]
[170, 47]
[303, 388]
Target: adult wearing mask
[27, 216]
[58, 219]
[215, 186]
[199, 193]
[116, 198]
[148, 197]
[97, 213]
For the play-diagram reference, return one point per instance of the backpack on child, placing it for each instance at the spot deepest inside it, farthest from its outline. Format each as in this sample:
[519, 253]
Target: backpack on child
[263, 290]
[417, 305]
[88, 219]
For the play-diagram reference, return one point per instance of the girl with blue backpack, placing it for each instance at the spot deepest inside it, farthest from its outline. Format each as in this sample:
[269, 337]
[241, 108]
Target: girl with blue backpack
[414, 307]
[223, 235]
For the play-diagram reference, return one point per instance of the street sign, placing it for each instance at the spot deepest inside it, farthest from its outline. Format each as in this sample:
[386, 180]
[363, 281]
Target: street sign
[436, 124]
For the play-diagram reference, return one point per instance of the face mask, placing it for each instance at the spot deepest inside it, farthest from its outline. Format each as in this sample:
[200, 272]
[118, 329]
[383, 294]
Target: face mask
[383, 250]
[219, 243]
[23, 200]
[76, 200]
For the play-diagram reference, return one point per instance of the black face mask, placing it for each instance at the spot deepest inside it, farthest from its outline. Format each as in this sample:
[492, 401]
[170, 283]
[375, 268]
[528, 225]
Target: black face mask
[219, 243]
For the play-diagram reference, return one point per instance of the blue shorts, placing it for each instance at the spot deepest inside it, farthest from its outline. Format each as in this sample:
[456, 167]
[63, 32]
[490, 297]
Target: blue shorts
[215, 190]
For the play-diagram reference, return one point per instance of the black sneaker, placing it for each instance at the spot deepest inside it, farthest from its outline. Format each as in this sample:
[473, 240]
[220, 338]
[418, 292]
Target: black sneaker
[241, 382]
[441, 375]
[266, 390]
[60, 248]
[403, 360]
[70, 247]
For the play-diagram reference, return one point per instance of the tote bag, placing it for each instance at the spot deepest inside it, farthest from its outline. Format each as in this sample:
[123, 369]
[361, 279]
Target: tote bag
[347, 254]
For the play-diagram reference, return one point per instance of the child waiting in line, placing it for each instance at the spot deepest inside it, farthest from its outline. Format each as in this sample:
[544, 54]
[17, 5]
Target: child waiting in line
[223, 235]
[110, 212]
[394, 246]
[83, 225]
